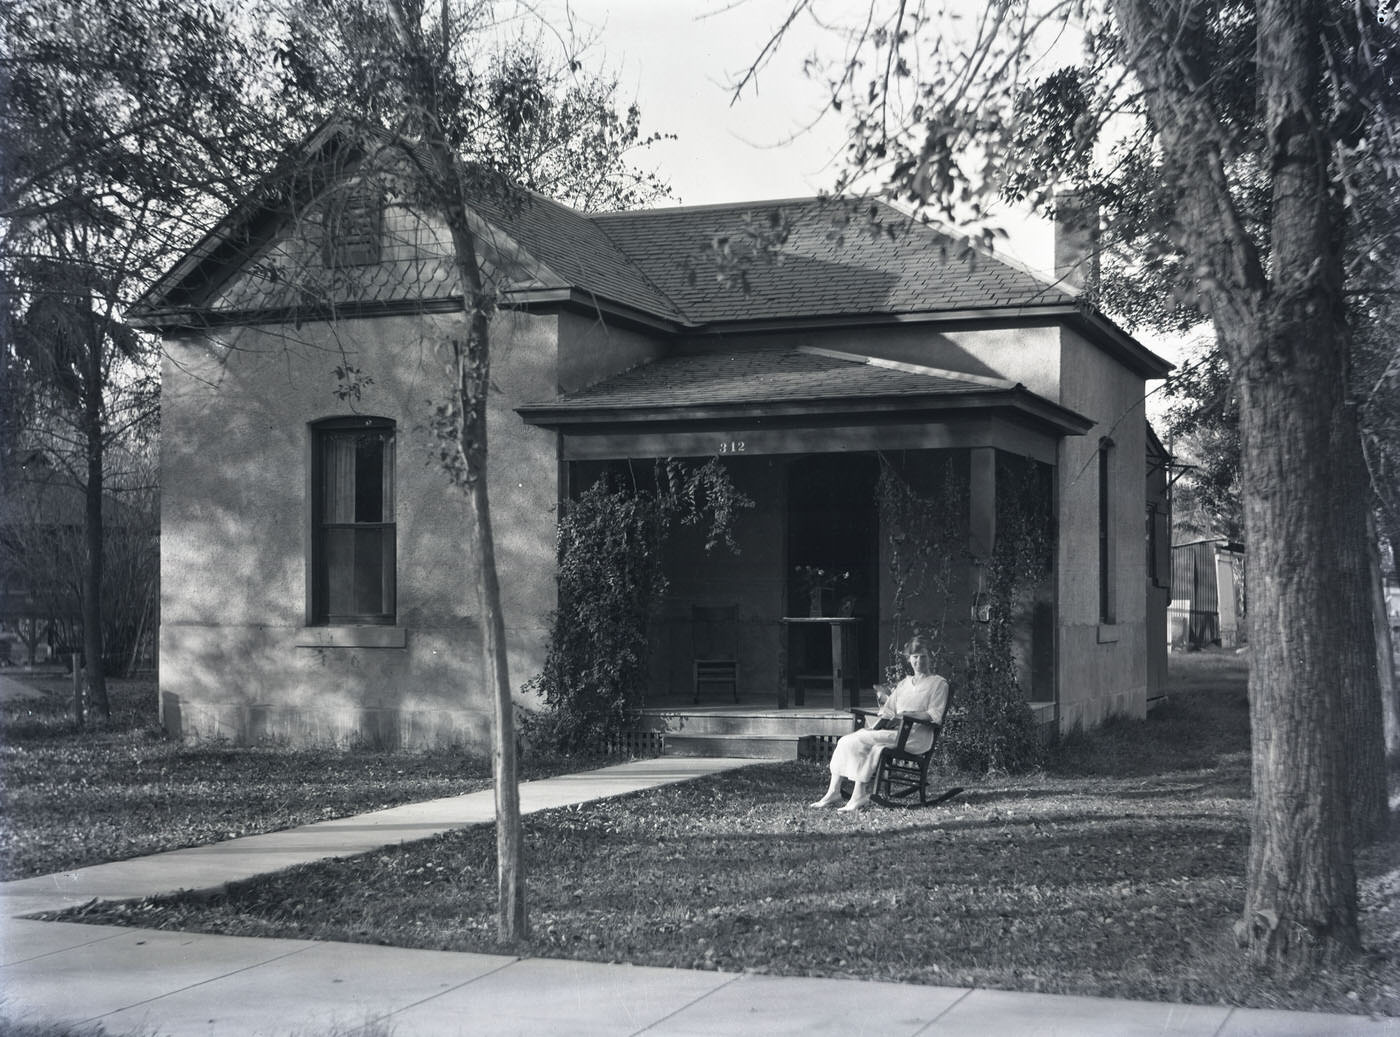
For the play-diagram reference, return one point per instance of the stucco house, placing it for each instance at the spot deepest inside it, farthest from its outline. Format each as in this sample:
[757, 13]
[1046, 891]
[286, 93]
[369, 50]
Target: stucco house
[317, 569]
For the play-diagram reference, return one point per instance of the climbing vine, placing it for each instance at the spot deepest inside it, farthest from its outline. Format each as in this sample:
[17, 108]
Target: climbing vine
[926, 557]
[933, 575]
[997, 730]
[611, 584]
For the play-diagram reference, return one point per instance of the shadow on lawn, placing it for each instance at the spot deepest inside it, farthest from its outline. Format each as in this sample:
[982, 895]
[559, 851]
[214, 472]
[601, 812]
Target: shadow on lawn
[49, 720]
[1116, 871]
[1197, 731]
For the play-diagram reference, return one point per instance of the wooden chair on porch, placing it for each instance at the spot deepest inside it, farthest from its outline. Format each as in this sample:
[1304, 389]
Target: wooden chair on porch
[901, 773]
[714, 632]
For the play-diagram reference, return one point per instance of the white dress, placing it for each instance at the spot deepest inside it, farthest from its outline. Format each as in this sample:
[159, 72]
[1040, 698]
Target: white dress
[855, 754]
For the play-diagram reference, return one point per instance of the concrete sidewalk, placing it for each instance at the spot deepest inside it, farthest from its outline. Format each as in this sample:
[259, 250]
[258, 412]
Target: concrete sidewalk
[208, 867]
[150, 982]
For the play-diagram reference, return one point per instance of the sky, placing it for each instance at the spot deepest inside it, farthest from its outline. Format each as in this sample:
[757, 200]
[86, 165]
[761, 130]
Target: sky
[679, 59]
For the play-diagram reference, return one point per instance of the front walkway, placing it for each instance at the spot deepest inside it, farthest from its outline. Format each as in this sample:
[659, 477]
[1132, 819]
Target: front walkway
[209, 867]
[152, 982]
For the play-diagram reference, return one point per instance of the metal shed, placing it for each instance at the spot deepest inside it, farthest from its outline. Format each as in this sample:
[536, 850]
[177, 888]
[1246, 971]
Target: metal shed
[1207, 606]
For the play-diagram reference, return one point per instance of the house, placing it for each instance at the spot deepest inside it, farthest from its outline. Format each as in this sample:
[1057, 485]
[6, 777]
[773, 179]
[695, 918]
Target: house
[317, 568]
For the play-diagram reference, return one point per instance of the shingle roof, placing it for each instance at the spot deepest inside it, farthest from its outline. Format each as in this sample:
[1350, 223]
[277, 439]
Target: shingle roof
[840, 259]
[535, 245]
[580, 254]
[761, 376]
[770, 382]
[835, 261]
[774, 380]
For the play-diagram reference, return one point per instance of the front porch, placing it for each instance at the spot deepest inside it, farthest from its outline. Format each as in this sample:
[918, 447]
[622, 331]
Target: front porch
[750, 729]
[875, 490]
[756, 728]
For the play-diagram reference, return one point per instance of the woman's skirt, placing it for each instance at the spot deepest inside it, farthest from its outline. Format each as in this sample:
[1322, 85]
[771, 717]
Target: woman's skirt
[857, 754]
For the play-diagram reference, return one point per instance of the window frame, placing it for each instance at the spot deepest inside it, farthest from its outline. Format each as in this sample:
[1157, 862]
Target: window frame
[318, 571]
[1108, 546]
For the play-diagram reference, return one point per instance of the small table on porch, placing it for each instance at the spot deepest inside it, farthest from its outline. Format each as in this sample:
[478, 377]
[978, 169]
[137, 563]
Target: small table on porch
[840, 626]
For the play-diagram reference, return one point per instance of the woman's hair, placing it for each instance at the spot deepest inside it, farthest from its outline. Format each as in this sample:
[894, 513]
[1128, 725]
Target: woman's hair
[918, 643]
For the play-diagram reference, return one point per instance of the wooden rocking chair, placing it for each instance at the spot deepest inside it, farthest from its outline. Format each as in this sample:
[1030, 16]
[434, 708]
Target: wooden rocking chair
[901, 773]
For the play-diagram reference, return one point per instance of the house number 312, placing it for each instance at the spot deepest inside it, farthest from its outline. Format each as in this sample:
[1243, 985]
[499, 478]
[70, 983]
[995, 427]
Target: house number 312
[732, 446]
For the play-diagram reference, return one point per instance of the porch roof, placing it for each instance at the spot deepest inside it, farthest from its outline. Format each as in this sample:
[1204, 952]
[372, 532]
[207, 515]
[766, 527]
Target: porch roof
[796, 384]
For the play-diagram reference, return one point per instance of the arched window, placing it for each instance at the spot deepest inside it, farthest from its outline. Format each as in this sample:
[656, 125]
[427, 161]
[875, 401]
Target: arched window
[353, 539]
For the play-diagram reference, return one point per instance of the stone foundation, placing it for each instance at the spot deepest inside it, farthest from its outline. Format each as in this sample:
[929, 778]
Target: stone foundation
[369, 727]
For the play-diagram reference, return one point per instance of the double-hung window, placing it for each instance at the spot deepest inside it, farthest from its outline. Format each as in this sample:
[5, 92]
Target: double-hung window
[353, 540]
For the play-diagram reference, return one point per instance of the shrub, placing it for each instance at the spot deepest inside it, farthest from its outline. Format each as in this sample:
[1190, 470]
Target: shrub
[997, 731]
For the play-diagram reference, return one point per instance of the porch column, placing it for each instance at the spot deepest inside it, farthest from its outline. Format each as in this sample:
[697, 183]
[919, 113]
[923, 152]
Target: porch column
[982, 502]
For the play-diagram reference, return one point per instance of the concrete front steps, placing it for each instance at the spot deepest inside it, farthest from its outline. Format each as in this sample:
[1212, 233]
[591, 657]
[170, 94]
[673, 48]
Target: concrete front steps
[747, 733]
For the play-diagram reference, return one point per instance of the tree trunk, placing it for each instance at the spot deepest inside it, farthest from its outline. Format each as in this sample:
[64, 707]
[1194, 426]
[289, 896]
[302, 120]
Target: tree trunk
[473, 381]
[1301, 888]
[1289, 351]
[473, 384]
[1385, 654]
[473, 370]
[511, 922]
[93, 648]
[1309, 687]
[1358, 667]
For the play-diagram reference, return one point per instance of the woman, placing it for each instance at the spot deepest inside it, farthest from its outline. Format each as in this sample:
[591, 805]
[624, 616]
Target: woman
[857, 755]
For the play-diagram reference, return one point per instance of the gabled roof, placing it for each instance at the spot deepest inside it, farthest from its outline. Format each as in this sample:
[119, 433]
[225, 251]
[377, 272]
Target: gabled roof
[1155, 447]
[841, 261]
[34, 493]
[260, 262]
[580, 255]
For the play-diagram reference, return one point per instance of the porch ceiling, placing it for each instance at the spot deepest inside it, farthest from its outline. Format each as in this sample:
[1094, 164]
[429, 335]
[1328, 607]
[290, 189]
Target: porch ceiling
[686, 405]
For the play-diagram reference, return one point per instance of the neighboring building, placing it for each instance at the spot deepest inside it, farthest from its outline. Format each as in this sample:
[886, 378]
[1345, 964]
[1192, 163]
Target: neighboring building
[1159, 560]
[318, 582]
[43, 551]
[1207, 609]
[41, 519]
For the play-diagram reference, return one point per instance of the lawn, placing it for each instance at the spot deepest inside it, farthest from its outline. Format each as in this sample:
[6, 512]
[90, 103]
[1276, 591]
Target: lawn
[1117, 870]
[70, 798]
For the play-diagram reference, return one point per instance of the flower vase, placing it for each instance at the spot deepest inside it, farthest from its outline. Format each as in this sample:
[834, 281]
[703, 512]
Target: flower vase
[814, 602]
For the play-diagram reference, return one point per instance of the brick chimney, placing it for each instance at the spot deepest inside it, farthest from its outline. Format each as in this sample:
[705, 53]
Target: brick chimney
[1076, 241]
